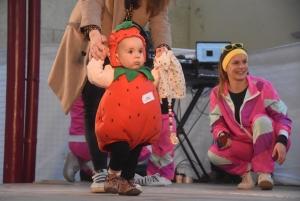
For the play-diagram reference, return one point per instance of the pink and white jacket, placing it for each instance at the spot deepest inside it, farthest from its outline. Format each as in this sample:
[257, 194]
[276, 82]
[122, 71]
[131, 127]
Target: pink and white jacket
[260, 98]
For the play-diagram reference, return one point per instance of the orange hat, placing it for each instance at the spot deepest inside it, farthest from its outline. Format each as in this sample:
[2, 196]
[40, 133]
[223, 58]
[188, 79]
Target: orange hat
[125, 30]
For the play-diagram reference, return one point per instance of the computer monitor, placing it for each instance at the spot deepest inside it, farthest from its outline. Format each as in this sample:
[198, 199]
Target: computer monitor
[209, 52]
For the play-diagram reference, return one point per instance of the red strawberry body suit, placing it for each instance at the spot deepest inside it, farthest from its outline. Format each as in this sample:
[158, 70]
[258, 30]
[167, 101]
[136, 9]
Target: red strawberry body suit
[124, 113]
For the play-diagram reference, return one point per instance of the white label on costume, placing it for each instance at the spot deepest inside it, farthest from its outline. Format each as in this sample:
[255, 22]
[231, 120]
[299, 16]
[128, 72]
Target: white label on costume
[147, 97]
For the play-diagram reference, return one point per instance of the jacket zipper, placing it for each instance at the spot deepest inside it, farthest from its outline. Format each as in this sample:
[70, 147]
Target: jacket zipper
[241, 125]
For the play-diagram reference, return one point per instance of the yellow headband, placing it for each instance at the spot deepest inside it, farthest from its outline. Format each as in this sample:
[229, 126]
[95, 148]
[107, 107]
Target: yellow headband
[231, 54]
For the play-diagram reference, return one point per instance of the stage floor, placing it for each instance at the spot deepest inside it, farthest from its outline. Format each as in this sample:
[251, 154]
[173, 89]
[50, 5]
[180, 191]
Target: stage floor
[61, 190]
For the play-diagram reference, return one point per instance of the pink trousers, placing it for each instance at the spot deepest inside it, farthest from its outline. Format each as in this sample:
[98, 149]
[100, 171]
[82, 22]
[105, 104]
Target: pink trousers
[241, 157]
[77, 142]
[162, 158]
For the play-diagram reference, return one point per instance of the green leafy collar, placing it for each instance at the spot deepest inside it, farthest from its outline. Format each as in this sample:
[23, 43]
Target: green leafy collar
[131, 74]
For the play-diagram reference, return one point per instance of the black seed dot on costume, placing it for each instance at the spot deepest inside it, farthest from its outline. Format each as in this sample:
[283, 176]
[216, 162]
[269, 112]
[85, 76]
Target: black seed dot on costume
[155, 129]
[109, 93]
[154, 117]
[138, 115]
[129, 117]
[137, 87]
[99, 118]
[127, 90]
[83, 53]
[106, 135]
[131, 140]
[112, 120]
[123, 131]
[119, 104]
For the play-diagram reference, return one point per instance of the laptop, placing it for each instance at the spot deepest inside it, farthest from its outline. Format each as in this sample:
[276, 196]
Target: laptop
[209, 52]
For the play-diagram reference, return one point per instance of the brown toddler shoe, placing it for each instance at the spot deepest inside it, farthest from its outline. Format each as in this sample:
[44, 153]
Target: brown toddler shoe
[111, 183]
[128, 187]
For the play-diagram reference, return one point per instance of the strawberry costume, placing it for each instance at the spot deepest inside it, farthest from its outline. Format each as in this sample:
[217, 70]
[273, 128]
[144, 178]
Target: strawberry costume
[129, 110]
[123, 116]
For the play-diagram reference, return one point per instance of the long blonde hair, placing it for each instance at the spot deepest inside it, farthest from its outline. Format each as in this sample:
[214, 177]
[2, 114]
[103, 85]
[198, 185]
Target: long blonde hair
[223, 77]
[154, 7]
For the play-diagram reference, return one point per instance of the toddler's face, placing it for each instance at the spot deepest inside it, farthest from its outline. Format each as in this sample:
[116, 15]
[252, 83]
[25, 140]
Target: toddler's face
[130, 53]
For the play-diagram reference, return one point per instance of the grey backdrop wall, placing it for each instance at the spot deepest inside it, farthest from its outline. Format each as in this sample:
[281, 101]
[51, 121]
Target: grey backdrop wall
[259, 24]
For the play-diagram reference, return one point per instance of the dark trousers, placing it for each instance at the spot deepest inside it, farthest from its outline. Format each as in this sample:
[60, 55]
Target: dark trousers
[122, 158]
[91, 96]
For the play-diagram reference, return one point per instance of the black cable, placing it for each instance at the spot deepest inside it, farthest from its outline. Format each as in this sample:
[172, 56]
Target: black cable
[197, 118]
[194, 123]
[178, 111]
[188, 165]
[183, 161]
[206, 93]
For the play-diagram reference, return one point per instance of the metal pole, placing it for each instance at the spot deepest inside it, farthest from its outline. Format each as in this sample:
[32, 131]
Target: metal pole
[15, 90]
[32, 92]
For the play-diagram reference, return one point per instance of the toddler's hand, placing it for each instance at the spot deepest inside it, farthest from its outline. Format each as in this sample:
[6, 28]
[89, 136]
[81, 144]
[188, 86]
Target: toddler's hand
[97, 47]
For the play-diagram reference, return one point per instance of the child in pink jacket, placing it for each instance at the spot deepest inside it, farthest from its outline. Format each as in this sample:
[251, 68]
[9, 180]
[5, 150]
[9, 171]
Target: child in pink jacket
[79, 157]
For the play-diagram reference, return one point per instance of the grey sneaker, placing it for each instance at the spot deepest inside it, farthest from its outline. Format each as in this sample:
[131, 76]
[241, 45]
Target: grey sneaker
[111, 184]
[98, 181]
[71, 167]
[153, 180]
[89, 165]
[128, 187]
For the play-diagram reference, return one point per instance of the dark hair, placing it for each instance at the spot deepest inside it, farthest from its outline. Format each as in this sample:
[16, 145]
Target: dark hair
[223, 76]
[154, 7]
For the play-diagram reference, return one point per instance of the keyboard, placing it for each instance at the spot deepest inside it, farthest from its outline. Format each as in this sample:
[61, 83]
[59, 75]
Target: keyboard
[207, 73]
[197, 74]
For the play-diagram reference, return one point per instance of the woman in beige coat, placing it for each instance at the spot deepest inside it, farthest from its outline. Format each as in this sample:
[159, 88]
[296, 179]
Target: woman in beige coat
[90, 23]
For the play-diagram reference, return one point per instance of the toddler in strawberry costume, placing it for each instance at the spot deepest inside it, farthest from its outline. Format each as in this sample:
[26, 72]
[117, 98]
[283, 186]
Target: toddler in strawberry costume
[129, 114]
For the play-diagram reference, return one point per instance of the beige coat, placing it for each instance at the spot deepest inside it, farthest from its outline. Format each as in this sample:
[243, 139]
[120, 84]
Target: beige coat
[68, 75]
